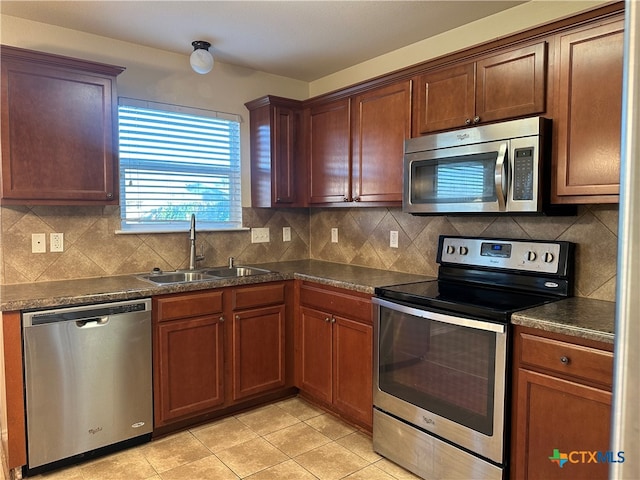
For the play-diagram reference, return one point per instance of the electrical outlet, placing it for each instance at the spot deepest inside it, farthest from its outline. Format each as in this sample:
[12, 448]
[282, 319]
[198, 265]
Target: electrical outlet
[334, 235]
[56, 242]
[38, 242]
[393, 239]
[259, 235]
[286, 234]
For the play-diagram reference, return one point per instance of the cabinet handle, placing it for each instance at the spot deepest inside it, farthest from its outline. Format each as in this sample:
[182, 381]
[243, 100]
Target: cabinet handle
[327, 319]
[221, 319]
[345, 199]
[237, 317]
[109, 195]
[278, 199]
[333, 320]
[565, 360]
[467, 121]
[476, 119]
[357, 199]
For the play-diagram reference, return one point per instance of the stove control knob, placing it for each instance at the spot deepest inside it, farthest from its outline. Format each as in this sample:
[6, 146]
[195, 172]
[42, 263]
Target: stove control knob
[451, 249]
[531, 256]
[463, 250]
[548, 257]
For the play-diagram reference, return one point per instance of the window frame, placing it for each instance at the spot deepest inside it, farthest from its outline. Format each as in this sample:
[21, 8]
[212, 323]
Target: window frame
[181, 225]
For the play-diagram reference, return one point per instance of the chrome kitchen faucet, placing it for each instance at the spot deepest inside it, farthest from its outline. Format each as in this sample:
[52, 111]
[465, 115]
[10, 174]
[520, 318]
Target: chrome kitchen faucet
[193, 258]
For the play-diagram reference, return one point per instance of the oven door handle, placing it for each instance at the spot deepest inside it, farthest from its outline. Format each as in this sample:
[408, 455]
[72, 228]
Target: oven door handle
[444, 318]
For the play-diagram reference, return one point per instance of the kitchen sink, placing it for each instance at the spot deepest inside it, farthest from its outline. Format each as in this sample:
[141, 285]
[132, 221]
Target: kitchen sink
[165, 278]
[234, 271]
[176, 277]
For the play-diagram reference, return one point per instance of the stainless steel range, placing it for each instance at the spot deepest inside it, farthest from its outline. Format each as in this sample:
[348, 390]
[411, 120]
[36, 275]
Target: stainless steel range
[441, 353]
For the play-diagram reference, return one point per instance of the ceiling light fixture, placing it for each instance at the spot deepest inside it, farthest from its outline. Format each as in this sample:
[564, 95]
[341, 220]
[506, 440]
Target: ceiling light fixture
[201, 59]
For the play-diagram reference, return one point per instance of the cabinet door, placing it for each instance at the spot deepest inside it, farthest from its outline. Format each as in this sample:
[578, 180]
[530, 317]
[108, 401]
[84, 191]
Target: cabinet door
[511, 84]
[352, 369]
[189, 371]
[258, 351]
[315, 354]
[444, 99]
[329, 152]
[284, 144]
[276, 177]
[57, 136]
[555, 414]
[587, 122]
[381, 123]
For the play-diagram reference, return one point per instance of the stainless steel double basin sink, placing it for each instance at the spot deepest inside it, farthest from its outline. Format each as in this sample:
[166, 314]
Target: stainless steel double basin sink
[201, 275]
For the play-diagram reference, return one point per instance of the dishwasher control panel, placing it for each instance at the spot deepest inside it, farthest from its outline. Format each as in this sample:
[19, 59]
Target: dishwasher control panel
[42, 317]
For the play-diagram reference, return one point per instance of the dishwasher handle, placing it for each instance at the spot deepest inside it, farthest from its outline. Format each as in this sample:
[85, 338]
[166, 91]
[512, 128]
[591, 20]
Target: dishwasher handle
[92, 322]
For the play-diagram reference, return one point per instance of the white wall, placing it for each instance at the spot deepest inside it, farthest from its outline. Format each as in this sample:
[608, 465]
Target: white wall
[513, 20]
[163, 76]
[158, 75]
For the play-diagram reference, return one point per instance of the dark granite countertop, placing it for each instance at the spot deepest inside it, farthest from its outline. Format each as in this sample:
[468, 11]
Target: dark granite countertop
[577, 316]
[580, 317]
[41, 295]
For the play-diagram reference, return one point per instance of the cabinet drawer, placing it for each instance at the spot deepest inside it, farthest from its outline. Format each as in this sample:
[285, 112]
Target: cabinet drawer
[338, 303]
[575, 360]
[187, 305]
[258, 296]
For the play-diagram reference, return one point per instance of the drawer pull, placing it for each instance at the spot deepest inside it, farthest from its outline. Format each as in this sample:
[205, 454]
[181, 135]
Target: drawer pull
[565, 360]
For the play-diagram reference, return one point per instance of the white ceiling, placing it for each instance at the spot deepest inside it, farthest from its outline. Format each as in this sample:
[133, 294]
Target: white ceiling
[304, 40]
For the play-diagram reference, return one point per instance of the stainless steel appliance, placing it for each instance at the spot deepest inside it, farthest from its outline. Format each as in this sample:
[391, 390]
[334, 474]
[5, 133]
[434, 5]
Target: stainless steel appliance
[496, 168]
[441, 353]
[87, 378]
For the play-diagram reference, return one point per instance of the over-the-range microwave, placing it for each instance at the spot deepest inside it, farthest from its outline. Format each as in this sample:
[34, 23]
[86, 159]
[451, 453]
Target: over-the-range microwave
[495, 168]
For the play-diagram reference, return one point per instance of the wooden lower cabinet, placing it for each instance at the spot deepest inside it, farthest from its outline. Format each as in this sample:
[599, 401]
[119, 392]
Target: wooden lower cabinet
[188, 355]
[561, 406]
[219, 350]
[334, 353]
[258, 345]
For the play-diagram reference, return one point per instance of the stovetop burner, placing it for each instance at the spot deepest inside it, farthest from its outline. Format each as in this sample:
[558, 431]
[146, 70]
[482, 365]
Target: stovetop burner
[489, 303]
[491, 278]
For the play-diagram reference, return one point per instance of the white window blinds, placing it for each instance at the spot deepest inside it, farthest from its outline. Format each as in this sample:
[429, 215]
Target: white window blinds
[175, 161]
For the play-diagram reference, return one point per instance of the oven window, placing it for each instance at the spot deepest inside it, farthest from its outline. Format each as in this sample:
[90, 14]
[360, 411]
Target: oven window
[463, 179]
[445, 369]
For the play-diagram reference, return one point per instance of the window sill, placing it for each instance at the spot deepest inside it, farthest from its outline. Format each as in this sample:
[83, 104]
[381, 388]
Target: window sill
[198, 230]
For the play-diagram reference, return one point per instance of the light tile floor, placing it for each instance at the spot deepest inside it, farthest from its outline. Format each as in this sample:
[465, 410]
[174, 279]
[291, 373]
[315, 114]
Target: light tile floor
[290, 439]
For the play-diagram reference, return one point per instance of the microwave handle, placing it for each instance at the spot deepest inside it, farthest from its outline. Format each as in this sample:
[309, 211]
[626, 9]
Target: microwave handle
[500, 178]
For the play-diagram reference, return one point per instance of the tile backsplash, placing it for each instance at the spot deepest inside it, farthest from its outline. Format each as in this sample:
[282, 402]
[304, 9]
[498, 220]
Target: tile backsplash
[92, 249]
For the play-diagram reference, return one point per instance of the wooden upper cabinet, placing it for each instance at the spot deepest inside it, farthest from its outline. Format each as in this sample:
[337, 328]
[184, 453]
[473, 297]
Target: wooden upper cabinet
[381, 124]
[329, 152]
[356, 145]
[497, 87]
[277, 172]
[587, 119]
[59, 130]
[445, 99]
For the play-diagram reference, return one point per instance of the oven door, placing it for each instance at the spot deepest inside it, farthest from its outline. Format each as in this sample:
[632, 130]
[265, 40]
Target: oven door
[443, 374]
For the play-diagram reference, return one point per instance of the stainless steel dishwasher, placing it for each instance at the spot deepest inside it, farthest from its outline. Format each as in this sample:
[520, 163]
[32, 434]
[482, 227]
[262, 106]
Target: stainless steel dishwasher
[88, 379]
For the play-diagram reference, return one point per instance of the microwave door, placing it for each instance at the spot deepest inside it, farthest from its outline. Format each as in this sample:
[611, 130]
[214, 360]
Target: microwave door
[467, 179]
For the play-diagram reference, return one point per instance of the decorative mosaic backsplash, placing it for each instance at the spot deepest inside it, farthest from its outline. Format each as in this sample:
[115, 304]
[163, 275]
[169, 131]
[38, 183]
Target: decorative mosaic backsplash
[92, 249]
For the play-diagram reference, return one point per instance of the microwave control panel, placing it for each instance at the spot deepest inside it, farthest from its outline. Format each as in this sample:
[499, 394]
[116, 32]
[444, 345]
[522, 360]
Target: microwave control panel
[523, 255]
[523, 174]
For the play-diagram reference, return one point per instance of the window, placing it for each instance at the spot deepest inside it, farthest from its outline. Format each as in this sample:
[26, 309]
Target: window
[175, 161]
